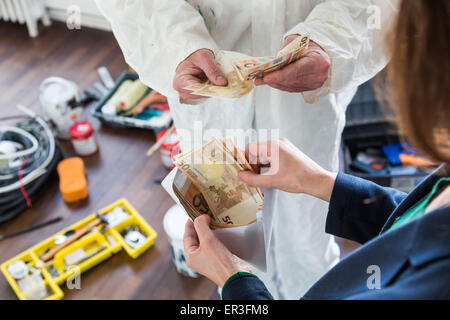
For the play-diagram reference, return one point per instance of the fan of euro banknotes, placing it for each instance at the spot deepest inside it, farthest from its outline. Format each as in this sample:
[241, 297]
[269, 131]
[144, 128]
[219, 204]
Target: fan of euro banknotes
[207, 182]
[241, 70]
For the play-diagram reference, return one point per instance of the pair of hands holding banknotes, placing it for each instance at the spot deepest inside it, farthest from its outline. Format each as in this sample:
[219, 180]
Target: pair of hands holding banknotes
[277, 164]
[307, 74]
[290, 170]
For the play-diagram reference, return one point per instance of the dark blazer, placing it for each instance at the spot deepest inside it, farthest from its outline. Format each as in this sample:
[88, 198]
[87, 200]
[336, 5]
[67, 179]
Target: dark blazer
[413, 261]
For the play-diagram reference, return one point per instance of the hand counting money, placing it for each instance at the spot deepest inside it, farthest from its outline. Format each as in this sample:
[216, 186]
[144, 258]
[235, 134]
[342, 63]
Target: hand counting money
[241, 70]
[259, 67]
[207, 182]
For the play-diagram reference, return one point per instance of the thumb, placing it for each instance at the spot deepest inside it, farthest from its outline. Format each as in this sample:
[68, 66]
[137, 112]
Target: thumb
[202, 228]
[255, 180]
[289, 39]
[212, 71]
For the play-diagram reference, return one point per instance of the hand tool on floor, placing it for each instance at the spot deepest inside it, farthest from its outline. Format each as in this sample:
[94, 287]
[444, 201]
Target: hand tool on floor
[100, 87]
[158, 144]
[92, 94]
[29, 229]
[106, 77]
[77, 235]
[151, 98]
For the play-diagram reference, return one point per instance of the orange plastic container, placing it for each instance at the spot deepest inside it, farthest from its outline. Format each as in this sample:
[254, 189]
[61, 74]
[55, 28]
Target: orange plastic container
[72, 179]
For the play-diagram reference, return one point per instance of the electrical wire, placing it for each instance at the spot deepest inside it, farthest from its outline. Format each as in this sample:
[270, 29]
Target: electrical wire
[42, 168]
[22, 188]
[13, 203]
[8, 174]
[33, 170]
[20, 153]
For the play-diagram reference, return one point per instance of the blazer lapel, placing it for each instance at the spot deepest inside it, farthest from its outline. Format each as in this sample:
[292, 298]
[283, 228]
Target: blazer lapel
[415, 196]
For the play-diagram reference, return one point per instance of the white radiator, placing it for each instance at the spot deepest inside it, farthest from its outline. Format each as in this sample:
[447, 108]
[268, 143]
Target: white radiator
[25, 11]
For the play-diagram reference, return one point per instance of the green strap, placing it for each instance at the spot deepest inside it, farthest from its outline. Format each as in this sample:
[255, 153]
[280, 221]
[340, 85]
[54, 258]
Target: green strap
[237, 276]
[419, 209]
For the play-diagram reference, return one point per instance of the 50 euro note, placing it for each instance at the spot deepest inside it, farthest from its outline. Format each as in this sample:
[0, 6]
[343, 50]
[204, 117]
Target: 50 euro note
[250, 69]
[194, 202]
[209, 184]
[236, 88]
[240, 70]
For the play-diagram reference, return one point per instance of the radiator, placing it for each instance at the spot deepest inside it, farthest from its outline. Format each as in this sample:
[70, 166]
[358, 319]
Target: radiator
[28, 12]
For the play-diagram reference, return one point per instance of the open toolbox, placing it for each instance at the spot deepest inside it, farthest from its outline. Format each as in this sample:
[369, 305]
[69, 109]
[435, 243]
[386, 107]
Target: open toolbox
[156, 124]
[368, 128]
[120, 227]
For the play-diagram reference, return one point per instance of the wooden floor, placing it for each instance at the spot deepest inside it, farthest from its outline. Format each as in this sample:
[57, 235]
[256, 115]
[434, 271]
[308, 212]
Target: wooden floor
[121, 169]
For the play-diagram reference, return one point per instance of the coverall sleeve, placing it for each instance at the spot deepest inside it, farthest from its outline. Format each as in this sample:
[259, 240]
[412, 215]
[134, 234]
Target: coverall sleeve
[353, 34]
[359, 208]
[155, 36]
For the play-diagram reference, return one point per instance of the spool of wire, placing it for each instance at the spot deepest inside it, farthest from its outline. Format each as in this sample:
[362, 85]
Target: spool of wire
[28, 158]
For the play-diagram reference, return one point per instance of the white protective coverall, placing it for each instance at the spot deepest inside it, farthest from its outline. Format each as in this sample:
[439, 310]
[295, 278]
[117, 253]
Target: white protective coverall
[156, 35]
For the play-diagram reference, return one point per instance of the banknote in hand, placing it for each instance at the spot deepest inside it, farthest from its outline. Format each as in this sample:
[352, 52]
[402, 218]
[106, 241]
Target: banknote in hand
[258, 67]
[208, 183]
[241, 70]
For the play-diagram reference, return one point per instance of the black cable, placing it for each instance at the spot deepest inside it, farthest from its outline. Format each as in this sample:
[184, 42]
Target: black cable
[13, 203]
[32, 228]
[23, 141]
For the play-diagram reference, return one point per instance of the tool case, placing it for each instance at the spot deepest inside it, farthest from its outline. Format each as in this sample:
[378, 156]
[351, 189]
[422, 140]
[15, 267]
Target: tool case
[98, 245]
[123, 121]
[368, 125]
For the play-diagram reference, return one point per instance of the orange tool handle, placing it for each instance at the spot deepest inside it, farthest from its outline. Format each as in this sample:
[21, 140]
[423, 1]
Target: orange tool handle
[412, 160]
[152, 97]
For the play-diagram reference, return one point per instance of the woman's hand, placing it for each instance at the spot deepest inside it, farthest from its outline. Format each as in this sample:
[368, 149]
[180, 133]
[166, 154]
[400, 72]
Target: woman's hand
[207, 255]
[279, 164]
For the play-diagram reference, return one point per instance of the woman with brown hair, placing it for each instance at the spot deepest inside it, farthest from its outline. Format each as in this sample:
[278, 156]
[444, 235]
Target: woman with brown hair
[405, 237]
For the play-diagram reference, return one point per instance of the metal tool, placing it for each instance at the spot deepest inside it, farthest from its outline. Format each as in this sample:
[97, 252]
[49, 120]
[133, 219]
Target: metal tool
[133, 236]
[100, 87]
[158, 144]
[29, 229]
[93, 94]
[77, 235]
[106, 77]
[60, 239]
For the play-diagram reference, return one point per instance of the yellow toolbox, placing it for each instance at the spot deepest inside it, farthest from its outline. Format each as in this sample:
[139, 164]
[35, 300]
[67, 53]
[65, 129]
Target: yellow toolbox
[38, 272]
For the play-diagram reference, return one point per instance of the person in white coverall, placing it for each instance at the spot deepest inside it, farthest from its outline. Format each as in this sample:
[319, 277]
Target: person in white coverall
[171, 44]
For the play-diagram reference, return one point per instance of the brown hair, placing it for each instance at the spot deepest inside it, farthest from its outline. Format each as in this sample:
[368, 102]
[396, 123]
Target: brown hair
[419, 75]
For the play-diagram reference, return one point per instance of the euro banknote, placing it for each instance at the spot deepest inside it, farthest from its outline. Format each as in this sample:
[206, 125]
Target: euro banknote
[241, 70]
[208, 183]
[258, 67]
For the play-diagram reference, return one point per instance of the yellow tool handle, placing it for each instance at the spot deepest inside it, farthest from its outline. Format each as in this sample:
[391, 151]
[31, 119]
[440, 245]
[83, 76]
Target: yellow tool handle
[78, 234]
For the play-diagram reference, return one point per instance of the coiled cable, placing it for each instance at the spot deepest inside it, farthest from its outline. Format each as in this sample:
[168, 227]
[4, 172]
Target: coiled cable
[36, 165]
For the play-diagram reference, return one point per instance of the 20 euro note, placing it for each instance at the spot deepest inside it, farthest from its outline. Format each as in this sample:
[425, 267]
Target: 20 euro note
[214, 172]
